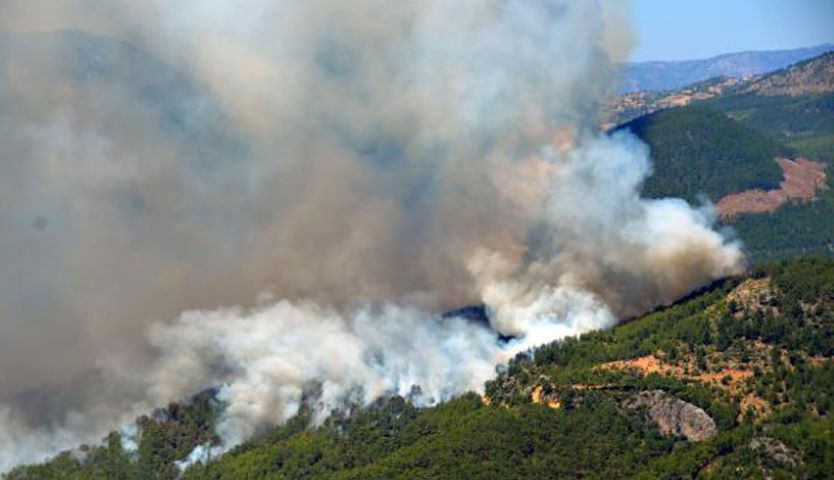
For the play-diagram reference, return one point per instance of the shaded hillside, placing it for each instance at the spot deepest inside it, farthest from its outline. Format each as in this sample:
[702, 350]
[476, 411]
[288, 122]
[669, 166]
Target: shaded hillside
[692, 154]
[802, 124]
[737, 381]
[795, 105]
[698, 151]
[660, 75]
[805, 123]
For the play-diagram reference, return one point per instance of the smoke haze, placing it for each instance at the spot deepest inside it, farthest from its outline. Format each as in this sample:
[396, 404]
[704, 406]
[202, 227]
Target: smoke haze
[341, 171]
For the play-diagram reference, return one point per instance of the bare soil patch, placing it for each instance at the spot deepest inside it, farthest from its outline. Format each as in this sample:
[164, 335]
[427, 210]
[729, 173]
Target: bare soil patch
[726, 378]
[801, 180]
[538, 398]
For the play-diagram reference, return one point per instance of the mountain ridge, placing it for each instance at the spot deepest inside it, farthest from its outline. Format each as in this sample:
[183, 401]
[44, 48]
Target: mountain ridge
[800, 125]
[670, 75]
[811, 76]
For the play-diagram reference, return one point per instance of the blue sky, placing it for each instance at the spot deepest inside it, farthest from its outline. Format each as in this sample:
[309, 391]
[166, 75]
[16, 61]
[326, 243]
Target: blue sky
[685, 29]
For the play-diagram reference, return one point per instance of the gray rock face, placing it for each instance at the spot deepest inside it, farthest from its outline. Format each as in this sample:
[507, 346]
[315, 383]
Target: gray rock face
[774, 449]
[674, 416]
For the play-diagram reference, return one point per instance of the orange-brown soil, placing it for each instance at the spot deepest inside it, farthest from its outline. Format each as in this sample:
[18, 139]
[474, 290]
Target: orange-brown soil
[537, 398]
[645, 365]
[728, 379]
[651, 364]
[801, 180]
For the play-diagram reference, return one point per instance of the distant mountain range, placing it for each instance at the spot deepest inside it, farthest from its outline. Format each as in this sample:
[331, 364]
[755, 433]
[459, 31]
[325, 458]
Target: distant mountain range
[660, 75]
[813, 76]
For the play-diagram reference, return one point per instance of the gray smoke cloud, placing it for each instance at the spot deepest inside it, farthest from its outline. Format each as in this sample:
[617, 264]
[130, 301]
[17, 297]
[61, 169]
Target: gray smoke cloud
[342, 171]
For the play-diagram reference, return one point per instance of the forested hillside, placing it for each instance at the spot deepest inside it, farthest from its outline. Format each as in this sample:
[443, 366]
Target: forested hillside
[725, 141]
[698, 151]
[736, 381]
[729, 145]
[805, 124]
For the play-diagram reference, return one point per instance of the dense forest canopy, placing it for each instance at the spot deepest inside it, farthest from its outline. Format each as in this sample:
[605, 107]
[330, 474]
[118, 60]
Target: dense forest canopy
[697, 151]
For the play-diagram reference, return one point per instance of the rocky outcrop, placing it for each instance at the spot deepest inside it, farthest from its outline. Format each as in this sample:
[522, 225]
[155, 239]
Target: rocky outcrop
[674, 416]
[775, 450]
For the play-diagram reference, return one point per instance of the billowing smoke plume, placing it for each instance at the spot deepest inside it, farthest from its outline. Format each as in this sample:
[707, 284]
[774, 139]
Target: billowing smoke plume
[344, 170]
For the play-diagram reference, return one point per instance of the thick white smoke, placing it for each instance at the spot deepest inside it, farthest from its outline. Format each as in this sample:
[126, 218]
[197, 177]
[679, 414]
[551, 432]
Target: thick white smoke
[366, 163]
[273, 355]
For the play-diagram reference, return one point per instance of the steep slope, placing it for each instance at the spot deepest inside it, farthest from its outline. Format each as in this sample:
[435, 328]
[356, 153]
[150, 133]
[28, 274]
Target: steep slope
[794, 105]
[735, 381]
[698, 151]
[810, 79]
[792, 108]
[659, 75]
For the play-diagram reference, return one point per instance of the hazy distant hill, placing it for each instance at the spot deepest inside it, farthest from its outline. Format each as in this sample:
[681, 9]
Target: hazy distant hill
[810, 77]
[659, 75]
